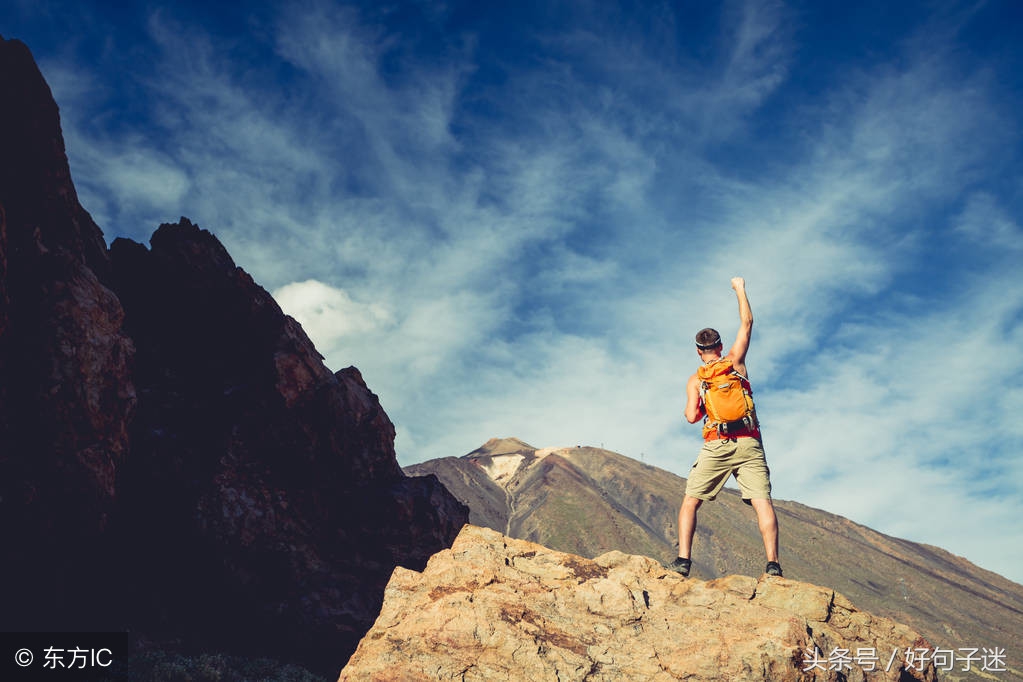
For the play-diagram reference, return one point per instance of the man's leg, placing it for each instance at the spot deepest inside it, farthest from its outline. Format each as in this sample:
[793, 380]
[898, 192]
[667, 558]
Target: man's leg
[708, 475]
[687, 525]
[754, 479]
[767, 520]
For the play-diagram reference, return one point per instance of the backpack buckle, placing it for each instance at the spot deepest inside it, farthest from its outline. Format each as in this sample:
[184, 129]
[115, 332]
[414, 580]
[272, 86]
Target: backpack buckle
[727, 429]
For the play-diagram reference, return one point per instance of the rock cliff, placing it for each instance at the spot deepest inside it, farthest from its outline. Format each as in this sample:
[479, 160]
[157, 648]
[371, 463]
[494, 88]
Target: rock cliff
[495, 608]
[263, 489]
[175, 458]
[66, 389]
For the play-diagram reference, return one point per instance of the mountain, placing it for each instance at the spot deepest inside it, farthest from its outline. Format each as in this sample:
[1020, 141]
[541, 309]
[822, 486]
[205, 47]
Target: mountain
[176, 461]
[496, 608]
[589, 501]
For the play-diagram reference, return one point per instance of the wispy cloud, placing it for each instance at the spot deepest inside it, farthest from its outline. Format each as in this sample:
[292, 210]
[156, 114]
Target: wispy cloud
[985, 223]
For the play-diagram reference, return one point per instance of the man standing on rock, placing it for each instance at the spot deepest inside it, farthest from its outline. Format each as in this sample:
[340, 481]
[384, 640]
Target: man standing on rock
[720, 393]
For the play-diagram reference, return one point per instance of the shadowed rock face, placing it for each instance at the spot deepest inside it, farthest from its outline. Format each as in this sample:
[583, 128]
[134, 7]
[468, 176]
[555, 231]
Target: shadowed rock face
[264, 489]
[175, 458]
[494, 608]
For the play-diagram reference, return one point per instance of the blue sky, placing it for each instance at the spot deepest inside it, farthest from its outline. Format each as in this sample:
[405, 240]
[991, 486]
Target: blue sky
[513, 218]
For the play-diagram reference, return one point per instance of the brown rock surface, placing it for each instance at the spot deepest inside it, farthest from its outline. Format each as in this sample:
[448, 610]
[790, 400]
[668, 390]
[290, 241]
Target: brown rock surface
[495, 608]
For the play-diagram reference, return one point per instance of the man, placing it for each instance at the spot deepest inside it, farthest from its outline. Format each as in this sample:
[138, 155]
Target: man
[732, 448]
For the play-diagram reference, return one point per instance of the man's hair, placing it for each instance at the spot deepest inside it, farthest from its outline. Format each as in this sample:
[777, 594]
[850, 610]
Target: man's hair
[707, 339]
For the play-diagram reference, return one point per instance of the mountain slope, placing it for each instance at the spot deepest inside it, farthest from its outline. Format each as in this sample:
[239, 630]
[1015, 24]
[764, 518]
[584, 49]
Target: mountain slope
[589, 501]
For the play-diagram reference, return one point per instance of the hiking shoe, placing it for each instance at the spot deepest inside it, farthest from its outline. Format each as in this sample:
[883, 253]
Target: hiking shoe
[681, 565]
[773, 568]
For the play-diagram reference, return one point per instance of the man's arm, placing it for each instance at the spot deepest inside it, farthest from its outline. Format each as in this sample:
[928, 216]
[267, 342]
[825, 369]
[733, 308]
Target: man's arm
[738, 352]
[694, 404]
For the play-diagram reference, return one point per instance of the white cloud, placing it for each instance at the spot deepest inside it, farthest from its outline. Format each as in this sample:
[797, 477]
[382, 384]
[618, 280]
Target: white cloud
[146, 179]
[328, 314]
[757, 57]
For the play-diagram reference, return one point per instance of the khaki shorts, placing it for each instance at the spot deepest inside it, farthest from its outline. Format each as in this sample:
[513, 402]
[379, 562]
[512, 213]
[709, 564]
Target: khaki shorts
[719, 459]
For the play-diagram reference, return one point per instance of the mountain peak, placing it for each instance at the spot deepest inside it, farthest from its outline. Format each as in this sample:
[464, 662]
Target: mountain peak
[502, 446]
[43, 215]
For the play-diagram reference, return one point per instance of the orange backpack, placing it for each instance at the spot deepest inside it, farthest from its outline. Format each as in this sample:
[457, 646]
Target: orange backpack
[727, 399]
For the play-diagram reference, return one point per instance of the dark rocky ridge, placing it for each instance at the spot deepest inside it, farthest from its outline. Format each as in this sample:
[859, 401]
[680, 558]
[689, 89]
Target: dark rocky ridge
[175, 458]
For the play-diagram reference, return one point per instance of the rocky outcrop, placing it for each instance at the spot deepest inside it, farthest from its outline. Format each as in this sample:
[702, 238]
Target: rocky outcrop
[175, 458]
[496, 608]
